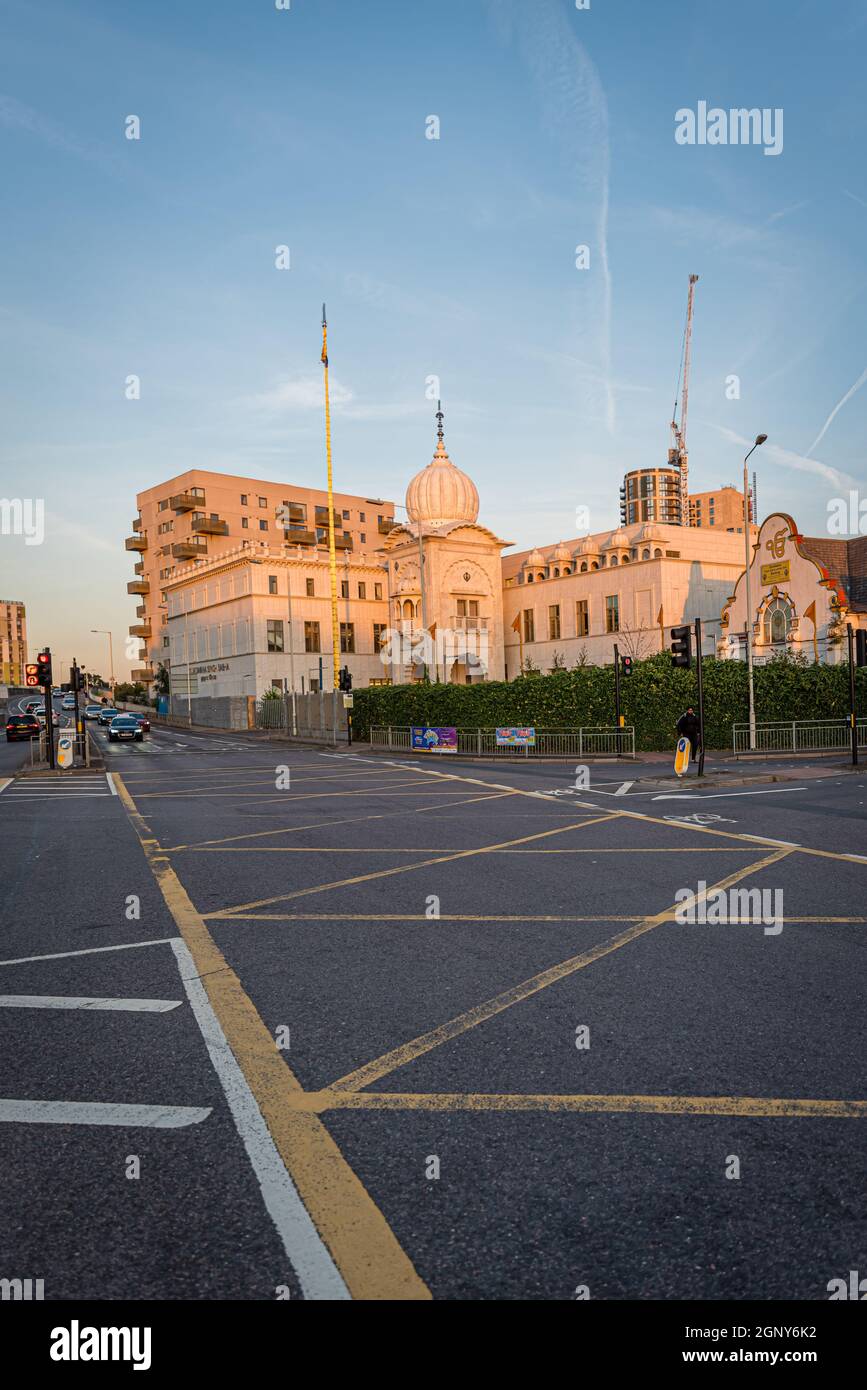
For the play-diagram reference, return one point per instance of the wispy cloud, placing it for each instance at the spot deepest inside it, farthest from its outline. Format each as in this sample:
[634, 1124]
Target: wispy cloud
[787, 458]
[307, 394]
[576, 117]
[16, 116]
[839, 406]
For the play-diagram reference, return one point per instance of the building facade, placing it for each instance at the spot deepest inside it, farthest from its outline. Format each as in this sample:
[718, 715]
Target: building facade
[13, 641]
[723, 509]
[804, 590]
[199, 516]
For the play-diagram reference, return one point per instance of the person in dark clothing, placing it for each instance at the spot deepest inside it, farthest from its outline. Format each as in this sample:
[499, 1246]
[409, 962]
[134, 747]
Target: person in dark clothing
[688, 727]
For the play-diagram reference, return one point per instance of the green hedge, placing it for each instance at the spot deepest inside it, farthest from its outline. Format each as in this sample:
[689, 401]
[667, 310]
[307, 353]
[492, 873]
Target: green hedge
[653, 698]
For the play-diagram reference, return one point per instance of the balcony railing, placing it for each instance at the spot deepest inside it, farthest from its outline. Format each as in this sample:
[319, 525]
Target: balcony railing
[138, 568]
[138, 586]
[141, 611]
[210, 526]
[296, 536]
[143, 674]
[140, 630]
[189, 550]
[136, 526]
[185, 502]
[462, 622]
[344, 543]
[387, 524]
[138, 543]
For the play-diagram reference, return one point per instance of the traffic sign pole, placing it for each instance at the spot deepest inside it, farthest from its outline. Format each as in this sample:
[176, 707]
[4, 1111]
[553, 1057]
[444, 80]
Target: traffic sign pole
[698, 672]
[617, 693]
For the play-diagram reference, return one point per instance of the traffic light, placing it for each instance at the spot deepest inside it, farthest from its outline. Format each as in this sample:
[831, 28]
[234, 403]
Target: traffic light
[681, 646]
[861, 647]
[626, 664]
[43, 662]
[31, 674]
[345, 679]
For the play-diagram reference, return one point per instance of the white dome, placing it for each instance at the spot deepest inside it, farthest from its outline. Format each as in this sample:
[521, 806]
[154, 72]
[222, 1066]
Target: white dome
[561, 552]
[588, 546]
[618, 540]
[534, 559]
[441, 493]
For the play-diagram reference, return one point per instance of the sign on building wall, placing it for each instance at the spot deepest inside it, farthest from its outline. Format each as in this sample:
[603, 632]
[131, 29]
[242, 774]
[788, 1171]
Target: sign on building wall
[775, 574]
[516, 738]
[434, 740]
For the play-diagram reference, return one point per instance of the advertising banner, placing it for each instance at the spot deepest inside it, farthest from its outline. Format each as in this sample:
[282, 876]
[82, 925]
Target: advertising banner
[434, 740]
[516, 738]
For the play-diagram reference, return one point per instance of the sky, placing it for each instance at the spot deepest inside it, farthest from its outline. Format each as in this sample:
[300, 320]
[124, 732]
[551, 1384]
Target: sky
[452, 258]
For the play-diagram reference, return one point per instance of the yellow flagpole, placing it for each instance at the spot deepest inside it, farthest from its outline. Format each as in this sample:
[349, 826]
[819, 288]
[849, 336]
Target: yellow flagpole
[332, 549]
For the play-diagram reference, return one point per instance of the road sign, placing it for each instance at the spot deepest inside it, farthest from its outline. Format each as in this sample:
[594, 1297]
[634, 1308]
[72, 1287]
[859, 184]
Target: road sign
[64, 749]
[681, 756]
[347, 701]
[31, 674]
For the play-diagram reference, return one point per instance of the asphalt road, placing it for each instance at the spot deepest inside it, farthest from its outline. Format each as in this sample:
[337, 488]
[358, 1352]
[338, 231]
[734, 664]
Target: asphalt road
[357, 987]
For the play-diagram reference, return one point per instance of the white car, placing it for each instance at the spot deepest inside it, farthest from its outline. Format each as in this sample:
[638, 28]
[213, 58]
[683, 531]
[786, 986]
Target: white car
[68, 702]
[92, 711]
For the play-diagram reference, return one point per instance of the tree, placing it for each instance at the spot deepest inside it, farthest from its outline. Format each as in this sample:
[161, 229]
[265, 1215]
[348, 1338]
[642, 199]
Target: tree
[161, 681]
[635, 641]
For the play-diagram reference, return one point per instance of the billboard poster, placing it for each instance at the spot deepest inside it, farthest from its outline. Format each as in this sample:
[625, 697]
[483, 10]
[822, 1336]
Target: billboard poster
[434, 740]
[516, 738]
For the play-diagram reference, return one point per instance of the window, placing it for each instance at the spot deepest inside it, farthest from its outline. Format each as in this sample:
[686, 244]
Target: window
[530, 578]
[377, 591]
[311, 588]
[778, 616]
[347, 637]
[379, 631]
[613, 560]
[311, 637]
[529, 626]
[245, 523]
[275, 634]
[344, 588]
[198, 492]
[164, 505]
[363, 539]
[645, 554]
[263, 501]
[554, 621]
[582, 618]
[362, 591]
[244, 502]
[612, 613]
[263, 525]
[272, 583]
[346, 516]
[361, 516]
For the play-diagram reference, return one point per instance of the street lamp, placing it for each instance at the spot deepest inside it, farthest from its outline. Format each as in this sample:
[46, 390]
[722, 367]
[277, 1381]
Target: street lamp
[104, 632]
[760, 439]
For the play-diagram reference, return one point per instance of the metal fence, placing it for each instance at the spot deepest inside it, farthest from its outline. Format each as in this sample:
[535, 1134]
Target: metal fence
[599, 740]
[315, 716]
[800, 736]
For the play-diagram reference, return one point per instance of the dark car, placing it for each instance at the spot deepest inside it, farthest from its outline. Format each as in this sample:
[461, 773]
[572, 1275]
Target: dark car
[144, 722]
[107, 714]
[125, 726]
[20, 726]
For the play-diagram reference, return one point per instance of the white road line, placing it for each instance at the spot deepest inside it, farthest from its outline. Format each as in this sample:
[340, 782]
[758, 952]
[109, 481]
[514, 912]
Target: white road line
[51, 796]
[70, 1001]
[92, 1112]
[623, 788]
[309, 1257]
[110, 780]
[718, 796]
[88, 951]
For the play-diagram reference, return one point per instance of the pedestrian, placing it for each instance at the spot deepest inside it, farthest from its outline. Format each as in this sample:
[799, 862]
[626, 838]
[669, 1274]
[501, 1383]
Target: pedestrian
[688, 727]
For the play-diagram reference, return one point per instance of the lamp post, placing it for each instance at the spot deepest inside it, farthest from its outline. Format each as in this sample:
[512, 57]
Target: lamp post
[760, 439]
[104, 632]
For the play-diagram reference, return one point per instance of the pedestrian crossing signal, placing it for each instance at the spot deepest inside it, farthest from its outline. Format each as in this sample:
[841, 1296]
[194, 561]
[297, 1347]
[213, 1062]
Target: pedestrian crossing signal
[681, 646]
[626, 664]
[31, 674]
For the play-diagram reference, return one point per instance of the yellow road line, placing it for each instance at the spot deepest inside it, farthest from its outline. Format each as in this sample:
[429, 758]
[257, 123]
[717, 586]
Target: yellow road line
[326, 825]
[745, 1106]
[472, 917]
[416, 1047]
[401, 869]
[362, 1244]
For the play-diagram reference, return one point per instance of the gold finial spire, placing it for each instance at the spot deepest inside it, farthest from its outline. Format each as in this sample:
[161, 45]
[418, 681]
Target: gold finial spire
[440, 421]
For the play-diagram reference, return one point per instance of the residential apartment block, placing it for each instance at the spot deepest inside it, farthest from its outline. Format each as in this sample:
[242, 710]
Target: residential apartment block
[13, 641]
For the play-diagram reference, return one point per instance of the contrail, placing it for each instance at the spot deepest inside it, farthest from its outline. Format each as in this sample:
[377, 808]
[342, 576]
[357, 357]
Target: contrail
[839, 406]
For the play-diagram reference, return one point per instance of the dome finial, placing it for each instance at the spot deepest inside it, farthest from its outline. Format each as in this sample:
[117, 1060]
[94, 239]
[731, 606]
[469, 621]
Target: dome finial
[440, 421]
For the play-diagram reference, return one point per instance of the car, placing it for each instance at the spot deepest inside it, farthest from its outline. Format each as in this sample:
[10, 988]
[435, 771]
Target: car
[144, 721]
[20, 726]
[31, 705]
[107, 713]
[39, 711]
[92, 711]
[125, 726]
[68, 702]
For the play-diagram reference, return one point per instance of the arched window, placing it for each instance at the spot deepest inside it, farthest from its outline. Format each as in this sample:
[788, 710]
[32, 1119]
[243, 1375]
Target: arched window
[613, 560]
[408, 611]
[530, 578]
[583, 566]
[567, 569]
[556, 572]
[541, 574]
[645, 554]
[594, 565]
[657, 554]
[777, 621]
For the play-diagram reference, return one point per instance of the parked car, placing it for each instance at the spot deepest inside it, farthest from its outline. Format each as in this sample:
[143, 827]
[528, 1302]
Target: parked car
[144, 721]
[20, 726]
[92, 711]
[125, 726]
[107, 713]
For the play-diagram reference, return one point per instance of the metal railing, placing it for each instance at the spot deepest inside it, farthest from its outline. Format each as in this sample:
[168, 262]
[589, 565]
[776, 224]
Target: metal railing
[589, 741]
[799, 736]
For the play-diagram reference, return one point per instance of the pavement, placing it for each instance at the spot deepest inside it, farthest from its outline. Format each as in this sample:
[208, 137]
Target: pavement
[325, 1023]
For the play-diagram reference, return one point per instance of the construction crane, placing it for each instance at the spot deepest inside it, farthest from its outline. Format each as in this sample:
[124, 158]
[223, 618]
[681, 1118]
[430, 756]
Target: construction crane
[677, 454]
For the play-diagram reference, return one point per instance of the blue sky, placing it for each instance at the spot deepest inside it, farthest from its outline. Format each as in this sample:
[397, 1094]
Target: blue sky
[453, 257]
